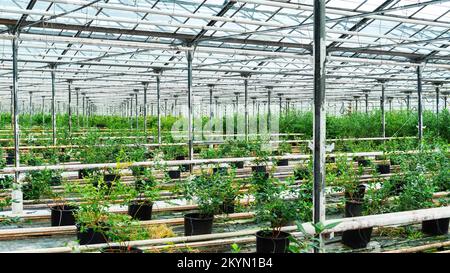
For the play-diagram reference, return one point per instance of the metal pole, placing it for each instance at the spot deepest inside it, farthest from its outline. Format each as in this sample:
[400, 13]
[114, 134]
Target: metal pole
[437, 100]
[77, 90]
[53, 106]
[145, 110]
[158, 105]
[190, 114]
[246, 118]
[236, 112]
[280, 98]
[17, 195]
[269, 96]
[84, 109]
[136, 91]
[43, 112]
[367, 102]
[12, 106]
[419, 102]
[165, 107]
[69, 107]
[131, 111]
[408, 102]
[211, 113]
[383, 114]
[31, 107]
[319, 113]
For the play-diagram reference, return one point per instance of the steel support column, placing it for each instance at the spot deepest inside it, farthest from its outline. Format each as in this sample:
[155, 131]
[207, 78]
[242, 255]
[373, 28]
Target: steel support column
[43, 111]
[158, 105]
[31, 108]
[437, 99]
[366, 97]
[145, 110]
[136, 91]
[77, 90]
[53, 106]
[17, 195]
[131, 111]
[269, 97]
[419, 102]
[211, 113]
[382, 104]
[189, 56]
[319, 113]
[83, 110]
[69, 107]
[246, 118]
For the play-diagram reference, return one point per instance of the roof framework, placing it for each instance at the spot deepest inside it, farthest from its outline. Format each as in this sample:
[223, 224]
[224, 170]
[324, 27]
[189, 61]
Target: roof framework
[107, 48]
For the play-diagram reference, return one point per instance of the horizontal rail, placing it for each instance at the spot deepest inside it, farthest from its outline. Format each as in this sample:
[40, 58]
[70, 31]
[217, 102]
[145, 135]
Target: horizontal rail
[353, 223]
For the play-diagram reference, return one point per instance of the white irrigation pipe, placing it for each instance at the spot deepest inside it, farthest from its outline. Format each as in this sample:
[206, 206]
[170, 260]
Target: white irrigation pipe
[351, 223]
[126, 165]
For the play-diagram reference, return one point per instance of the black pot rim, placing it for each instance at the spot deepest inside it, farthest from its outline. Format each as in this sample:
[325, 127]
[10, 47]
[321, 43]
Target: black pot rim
[66, 207]
[197, 216]
[281, 236]
[141, 202]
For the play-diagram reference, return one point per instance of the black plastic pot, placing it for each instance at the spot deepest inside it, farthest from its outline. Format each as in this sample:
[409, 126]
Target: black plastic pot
[227, 207]
[185, 167]
[9, 160]
[358, 238]
[62, 215]
[266, 243]
[138, 170]
[283, 162]
[238, 165]
[259, 169]
[330, 160]
[221, 170]
[121, 249]
[55, 180]
[111, 177]
[174, 174]
[140, 210]
[90, 237]
[436, 227]
[363, 162]
[383, 168]
[83, 174]
[197, 224]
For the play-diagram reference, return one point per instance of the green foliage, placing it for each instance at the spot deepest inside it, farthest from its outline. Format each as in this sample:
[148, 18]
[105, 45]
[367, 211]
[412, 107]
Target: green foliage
[210, 191]
[38, 184]
[345, 177]
[278, 203]
[309, 241]
[93, 213]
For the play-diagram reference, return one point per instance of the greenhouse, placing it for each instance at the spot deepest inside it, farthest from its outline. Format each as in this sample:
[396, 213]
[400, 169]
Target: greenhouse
[224, 126]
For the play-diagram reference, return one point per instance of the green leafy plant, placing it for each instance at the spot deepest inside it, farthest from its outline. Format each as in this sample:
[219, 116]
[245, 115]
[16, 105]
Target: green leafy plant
[309, 242]
[209, 191]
